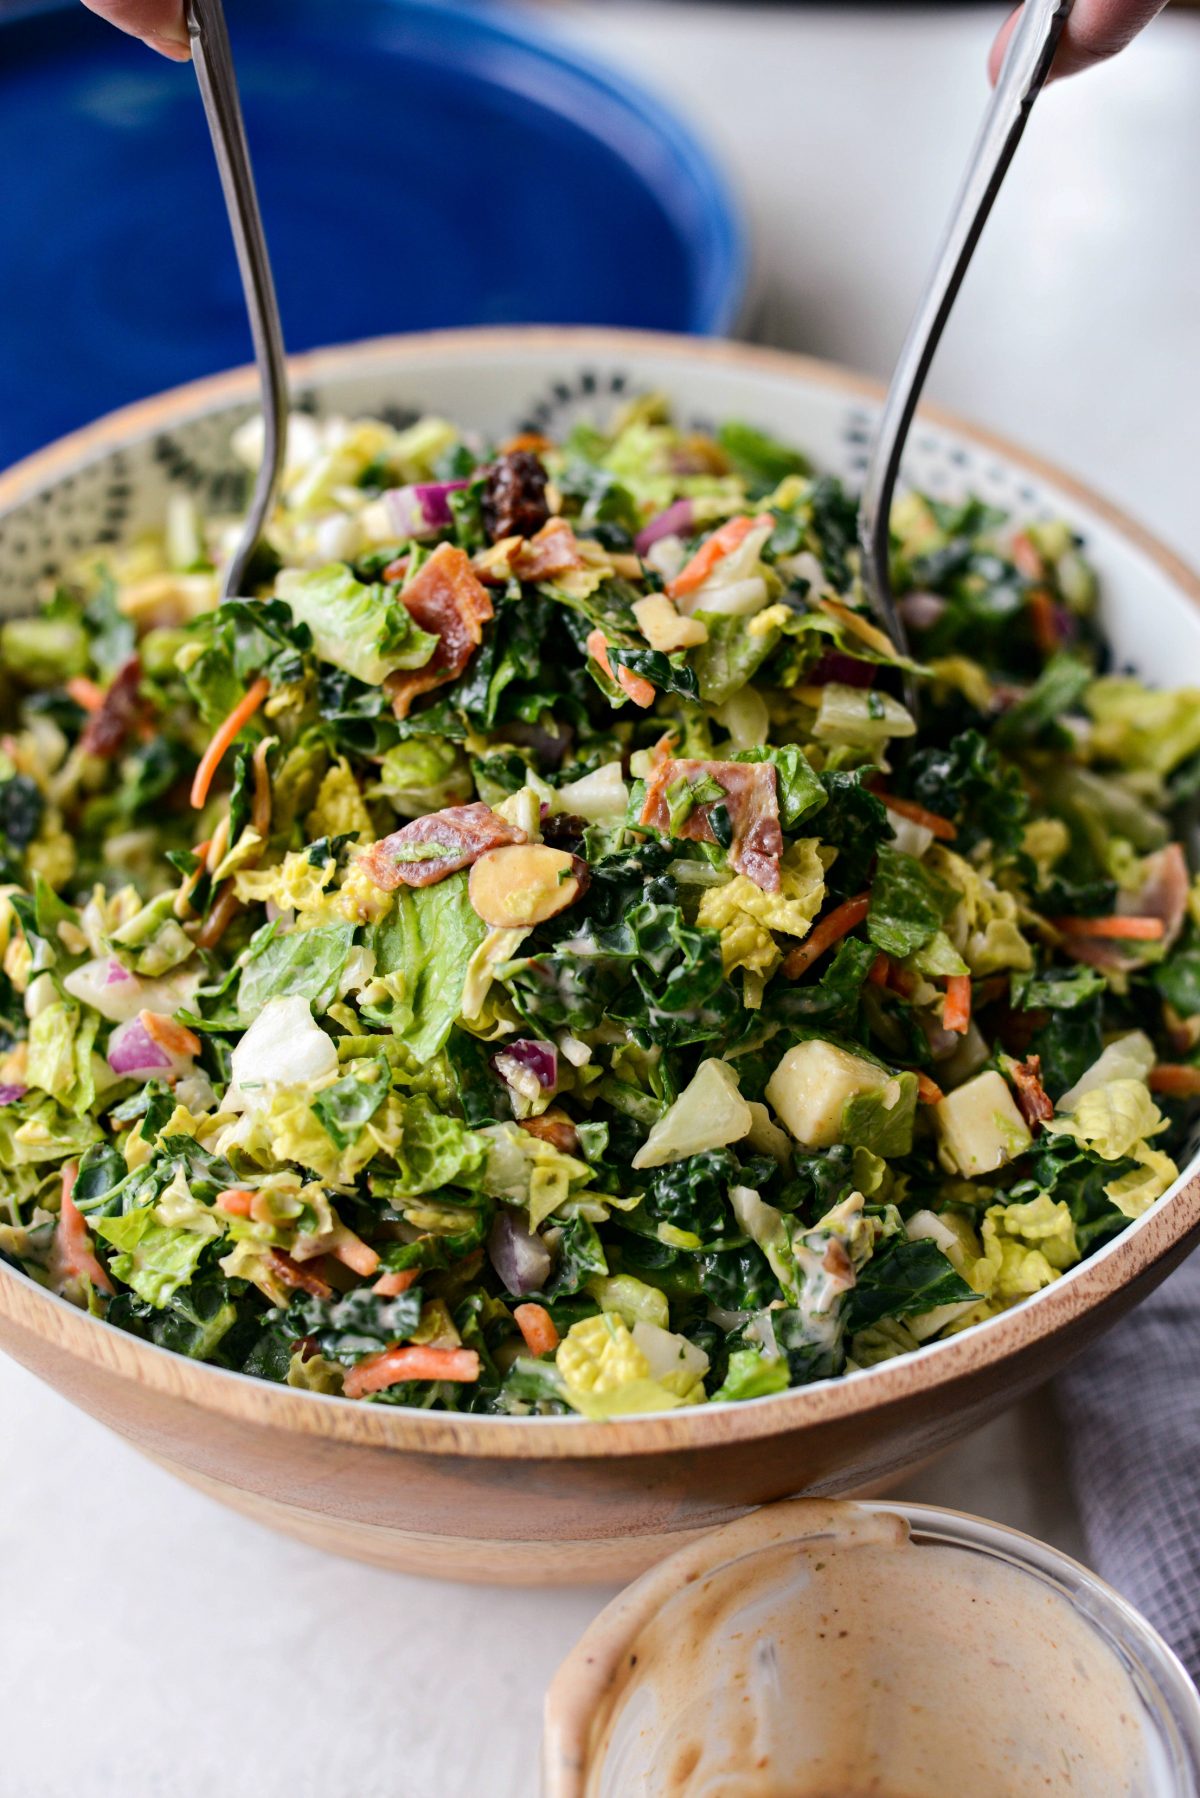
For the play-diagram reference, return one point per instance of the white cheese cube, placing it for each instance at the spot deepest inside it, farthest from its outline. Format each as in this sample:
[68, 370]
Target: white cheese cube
[979, 1127]
[810, 1087]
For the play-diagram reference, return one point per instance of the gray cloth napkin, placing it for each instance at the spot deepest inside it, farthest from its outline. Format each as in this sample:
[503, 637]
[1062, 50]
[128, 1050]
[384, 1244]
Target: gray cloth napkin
[1130, 1410]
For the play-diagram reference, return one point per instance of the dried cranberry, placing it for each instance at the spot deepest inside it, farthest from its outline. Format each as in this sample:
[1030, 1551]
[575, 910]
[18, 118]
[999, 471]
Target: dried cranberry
[564, 831]
[108, 728]
[514, 499]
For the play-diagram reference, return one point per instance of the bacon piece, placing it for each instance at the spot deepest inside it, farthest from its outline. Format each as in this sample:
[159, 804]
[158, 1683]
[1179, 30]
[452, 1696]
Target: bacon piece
[446, 599]
[1033, 1101]
[750, 800]
[439, 844]
[1163, 894]
[303, 1279]
[553, 551]
[118, 713]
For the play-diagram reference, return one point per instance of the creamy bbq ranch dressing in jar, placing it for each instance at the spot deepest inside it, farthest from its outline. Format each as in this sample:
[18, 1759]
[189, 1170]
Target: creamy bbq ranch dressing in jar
[818, 1650]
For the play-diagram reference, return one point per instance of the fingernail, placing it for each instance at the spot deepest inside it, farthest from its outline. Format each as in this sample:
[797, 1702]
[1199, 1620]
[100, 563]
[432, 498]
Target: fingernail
[168, 46]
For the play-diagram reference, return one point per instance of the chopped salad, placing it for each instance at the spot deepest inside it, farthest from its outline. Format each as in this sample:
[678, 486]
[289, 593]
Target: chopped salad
[529, 959]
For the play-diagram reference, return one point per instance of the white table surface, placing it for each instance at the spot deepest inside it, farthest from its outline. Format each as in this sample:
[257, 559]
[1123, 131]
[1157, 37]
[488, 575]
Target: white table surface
[151, 1644]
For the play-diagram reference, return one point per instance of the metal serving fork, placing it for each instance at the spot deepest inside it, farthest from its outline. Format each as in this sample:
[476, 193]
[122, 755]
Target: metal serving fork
[1026, 67]
[218, 88]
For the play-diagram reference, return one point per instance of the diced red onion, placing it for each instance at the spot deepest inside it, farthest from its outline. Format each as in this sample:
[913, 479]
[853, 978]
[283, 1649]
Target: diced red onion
[133, 1051]
[676, 521]
[10, 1094]
[941, 1042]
[533, 1057]
[520, 1258]
[847, 670]
[922, 610]
[549, 746]
[116, 973]
[422, 509]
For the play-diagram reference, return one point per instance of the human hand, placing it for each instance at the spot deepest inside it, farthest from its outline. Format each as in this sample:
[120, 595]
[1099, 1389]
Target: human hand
[1096, 30]
[158, 23]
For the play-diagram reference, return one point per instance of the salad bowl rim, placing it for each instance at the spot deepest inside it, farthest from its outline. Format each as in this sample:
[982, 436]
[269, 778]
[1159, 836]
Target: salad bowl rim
[935, 1368]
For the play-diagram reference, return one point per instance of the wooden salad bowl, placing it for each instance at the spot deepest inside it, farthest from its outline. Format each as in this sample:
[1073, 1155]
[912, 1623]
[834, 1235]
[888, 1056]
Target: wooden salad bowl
[557, 1500]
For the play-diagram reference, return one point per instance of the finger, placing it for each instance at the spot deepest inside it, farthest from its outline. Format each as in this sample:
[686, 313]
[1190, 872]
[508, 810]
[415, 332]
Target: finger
[1096, 30]
[159, 23]
[996, 55]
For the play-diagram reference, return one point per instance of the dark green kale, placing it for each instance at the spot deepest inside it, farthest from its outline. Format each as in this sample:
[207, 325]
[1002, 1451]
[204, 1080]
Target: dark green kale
[974, 787]
[901, 1279]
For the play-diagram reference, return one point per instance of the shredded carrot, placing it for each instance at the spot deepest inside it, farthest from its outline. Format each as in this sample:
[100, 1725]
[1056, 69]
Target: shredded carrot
[830, 930]
[526, 440]
[225, 733]
[1175, 1079]
[1134, 930]
[219, 918]
[1027, 558]
[693, 574]
[168, 1034]
[956, 1012]
[1044, 621]
[879, 970]
[236, 1201]
[917, 814]
[389, 1286]
[85, 692]
[928, 1091]
[354, 1253]
[74, 1243]
[412, 1363]
[537, 1327]
[640, 691]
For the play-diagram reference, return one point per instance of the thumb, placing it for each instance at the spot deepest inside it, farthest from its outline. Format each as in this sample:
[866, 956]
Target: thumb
[996, 54]
[1096, 30]
[159, 23]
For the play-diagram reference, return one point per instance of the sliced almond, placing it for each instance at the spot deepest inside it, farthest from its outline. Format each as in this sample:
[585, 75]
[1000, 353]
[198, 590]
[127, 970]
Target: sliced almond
[554, 1127]
[664, 628]
[523, 884]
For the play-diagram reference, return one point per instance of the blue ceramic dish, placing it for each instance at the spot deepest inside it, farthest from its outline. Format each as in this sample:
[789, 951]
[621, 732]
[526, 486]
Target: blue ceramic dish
[419, 165]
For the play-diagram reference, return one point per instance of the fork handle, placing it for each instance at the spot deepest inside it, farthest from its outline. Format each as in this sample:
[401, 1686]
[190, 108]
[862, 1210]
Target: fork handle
[213, 61]
[1026, 66]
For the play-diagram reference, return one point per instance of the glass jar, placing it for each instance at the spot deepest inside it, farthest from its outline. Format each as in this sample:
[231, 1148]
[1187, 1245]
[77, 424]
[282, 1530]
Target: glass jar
[815, 1650]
